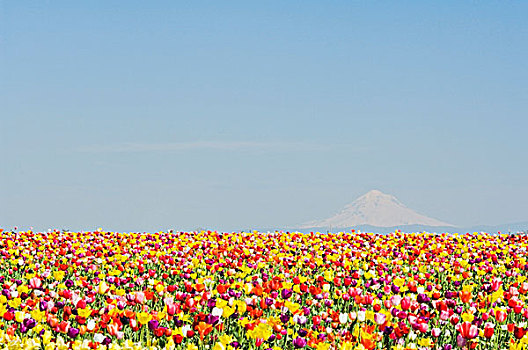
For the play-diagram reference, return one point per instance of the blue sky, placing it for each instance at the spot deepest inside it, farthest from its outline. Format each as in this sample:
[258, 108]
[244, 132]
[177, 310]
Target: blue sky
[233, 115]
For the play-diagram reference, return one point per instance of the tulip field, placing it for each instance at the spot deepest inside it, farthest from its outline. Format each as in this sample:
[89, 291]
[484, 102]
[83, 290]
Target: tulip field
[255, 290]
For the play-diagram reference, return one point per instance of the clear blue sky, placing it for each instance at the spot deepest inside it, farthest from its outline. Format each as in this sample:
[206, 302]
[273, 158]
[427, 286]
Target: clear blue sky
[231, 115]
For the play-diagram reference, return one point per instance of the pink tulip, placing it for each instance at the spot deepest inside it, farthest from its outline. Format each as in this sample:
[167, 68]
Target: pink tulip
[395, 300]
[140, 297]
[171, 309]
[444, 315]
[424, 327]
[436, 332]
[380, 318]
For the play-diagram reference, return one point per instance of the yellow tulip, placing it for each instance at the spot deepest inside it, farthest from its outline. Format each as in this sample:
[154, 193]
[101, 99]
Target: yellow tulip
[103, 287]
[191, 346]
[37, 314]
[20, 316]
[226, 339]
[228, 311]
[219, 346]
[144, 317]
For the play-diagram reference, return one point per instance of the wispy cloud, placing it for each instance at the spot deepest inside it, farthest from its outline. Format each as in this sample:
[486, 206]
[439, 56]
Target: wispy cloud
[204, 145]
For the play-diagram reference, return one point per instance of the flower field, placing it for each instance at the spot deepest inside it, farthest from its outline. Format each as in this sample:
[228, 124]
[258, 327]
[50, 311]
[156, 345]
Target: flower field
[250, 290]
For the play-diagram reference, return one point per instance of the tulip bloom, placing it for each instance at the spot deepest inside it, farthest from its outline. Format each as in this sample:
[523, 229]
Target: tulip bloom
[380, 318]
[467, 330]
[488, 330]
[500, 315]
[299, 343]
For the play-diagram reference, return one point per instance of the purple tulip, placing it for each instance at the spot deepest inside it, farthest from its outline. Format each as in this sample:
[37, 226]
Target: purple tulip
[284, 318]
[461, 341]
[73, 332]
[153, 324]
[212, 320]
[43, 305]
[29, 323]
[299, 342]
[286, 293]
[422, 298]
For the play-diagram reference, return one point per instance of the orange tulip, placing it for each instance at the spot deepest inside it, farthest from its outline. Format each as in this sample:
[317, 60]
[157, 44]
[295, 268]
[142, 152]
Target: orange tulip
[203, 329]
[465, 296]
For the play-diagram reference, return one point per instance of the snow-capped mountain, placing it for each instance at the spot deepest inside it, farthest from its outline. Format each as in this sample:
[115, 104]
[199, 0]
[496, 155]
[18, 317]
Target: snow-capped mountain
[375, 209]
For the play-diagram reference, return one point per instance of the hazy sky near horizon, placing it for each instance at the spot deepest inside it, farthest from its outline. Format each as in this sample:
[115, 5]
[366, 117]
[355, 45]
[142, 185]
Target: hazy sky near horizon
[233, 115]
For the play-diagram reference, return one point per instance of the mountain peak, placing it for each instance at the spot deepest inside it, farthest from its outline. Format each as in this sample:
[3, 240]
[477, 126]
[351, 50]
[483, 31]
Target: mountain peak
[375, 208]
[376, 195]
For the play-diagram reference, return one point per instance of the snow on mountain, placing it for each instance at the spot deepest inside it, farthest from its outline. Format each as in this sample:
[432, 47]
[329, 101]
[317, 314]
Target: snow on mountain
[375, 209]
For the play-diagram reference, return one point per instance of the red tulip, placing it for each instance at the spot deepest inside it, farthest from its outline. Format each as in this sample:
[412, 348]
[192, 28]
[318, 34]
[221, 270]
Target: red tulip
[63, 326]
[519, 332]
[467, 330]
[495, 285]
[316, 320]
[488, 332]
[405, 303]
[81, 304]
[500, 315]
[454, 319]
